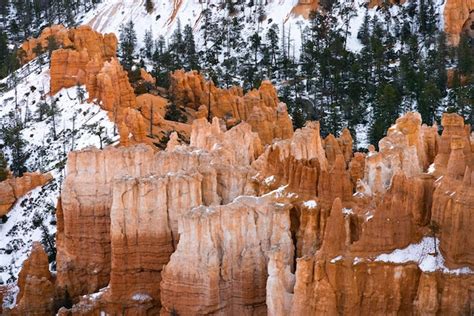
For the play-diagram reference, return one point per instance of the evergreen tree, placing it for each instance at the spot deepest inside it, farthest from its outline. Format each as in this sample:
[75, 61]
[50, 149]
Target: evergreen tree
[128, 43]
[191, 60]
[386, 112]
[429, 101]
[4, 55]
[465, 55]
[11, 135]
[148, 41]
[3, 167]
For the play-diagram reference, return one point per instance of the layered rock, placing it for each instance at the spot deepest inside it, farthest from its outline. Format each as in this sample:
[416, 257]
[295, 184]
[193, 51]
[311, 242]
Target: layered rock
[408, 148]
[37, 291]
[260, 108]
[100, 219]
[229, 272]
[395, 205]
[341, 287]
[83, 236]
[14, 188]
[451, 213]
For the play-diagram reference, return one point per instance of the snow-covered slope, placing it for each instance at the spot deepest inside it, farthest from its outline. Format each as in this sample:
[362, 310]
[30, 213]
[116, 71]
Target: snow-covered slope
[77, 126]
[110, 14]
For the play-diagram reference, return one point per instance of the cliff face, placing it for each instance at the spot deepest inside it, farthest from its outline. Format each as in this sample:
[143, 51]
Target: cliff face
[230, 270]
[375, 238]
[12, 189]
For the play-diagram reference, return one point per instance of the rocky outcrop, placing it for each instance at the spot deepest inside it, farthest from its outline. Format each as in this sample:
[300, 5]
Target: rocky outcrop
[37, 291]
[451, 214]
[81, 39]
[260, 108]
[305, 7]
[83, 235]
[348, 269]
[456, 15]
[13, 189]
[230, 270]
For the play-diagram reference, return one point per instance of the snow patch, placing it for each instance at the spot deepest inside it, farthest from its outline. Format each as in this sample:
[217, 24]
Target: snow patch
[141, 297]
[423, 254]
[310, 204]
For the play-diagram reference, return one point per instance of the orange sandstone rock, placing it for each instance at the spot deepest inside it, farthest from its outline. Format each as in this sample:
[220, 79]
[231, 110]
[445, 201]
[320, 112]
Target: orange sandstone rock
[37, 292]
[260, 108]
[456, 14]
[81, 39]
[12, 189]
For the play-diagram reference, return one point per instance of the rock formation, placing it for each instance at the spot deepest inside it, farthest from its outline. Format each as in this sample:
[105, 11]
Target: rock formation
[305, 7]
[81, 39]
[230, 270]
[349, 273]
[14, 188]
[300, 227]
[456, 16]
[37, 291]
[260, 108]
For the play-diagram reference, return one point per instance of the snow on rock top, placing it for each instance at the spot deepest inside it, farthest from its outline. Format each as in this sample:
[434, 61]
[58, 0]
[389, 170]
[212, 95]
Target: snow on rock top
[425, 255]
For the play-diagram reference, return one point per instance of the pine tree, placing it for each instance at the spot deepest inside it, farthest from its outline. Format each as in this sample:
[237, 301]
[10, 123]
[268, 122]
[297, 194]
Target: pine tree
[148, 41]
[4, 55]
[128, 43]
[191, 60]
[12, 138]
[52, 45]
[386, 112]
[3, 167]
[428, 102]
[465, 55]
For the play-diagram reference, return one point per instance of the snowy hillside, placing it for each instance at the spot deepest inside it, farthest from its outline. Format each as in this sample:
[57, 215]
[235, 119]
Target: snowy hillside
[110, 14]
[77, 126]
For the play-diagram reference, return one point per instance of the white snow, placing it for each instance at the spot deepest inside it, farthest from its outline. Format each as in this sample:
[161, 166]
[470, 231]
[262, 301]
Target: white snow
[310, 204]
[269, 180]
[423, 254]
[334, 260]
[141, 297]
[163, 21]
[347, 211]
